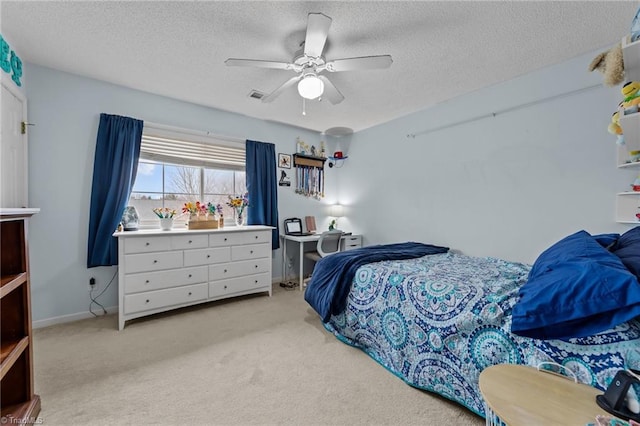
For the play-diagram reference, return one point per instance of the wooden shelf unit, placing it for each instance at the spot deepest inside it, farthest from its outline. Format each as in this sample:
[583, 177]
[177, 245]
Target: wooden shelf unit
[308, 161]
[18, 402]
[628, 203]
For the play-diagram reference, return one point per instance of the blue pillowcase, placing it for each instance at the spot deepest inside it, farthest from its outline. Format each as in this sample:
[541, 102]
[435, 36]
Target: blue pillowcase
[627, 248]
[606, 240]
[576, 288]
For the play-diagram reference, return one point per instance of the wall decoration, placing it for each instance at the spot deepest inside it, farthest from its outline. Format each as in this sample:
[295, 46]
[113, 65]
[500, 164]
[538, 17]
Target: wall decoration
[284, 179]
[10, 62]
[309, 175]
[284, 161]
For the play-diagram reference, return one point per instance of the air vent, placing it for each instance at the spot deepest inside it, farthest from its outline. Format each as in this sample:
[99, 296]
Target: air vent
[256, 94]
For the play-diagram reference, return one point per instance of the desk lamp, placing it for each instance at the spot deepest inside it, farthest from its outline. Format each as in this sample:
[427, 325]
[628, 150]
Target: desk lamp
[336, 210]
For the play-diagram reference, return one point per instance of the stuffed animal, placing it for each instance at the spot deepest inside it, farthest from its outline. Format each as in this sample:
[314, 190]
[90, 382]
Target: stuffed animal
[611, 64]
[615, 129]
[631, 93]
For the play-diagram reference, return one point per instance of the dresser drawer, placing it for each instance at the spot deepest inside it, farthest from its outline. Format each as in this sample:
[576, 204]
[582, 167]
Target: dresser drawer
[351, 242]
[179, 242]
[237, 238]
[251, 251]
[168, 297]
[152, 261]
[145, 244]
[207, 256]
[148, 281]
[237, 269]
[236, 285]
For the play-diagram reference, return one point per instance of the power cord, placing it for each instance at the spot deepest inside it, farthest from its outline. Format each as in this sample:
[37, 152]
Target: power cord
[286, 283]
[93, 299]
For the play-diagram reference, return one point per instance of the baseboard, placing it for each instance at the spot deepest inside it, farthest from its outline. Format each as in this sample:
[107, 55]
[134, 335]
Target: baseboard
[85, 315]
[71, 318]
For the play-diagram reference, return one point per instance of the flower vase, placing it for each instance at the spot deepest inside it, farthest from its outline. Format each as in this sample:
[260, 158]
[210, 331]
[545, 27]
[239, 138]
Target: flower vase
[166, 223]
[240, 217]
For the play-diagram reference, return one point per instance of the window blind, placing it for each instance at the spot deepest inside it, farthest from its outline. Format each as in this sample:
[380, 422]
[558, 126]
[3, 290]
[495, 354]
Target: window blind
[189, 151]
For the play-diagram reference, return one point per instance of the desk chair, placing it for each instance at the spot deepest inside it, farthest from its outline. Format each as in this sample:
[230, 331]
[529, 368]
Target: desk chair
[329, 243]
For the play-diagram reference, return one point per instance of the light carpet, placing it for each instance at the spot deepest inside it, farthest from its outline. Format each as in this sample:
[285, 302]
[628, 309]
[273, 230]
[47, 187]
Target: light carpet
[254, 360]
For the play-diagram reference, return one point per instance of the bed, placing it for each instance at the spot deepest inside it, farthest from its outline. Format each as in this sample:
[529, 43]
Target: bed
[436, 319]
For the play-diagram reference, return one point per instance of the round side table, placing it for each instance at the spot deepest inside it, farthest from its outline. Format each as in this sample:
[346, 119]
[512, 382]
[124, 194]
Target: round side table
[523, 395]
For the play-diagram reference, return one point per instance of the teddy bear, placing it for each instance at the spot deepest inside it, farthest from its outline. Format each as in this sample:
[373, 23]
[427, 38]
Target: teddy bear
[611, 64]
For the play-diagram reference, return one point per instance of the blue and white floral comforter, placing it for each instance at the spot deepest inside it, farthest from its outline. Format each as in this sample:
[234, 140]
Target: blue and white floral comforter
[437, 321]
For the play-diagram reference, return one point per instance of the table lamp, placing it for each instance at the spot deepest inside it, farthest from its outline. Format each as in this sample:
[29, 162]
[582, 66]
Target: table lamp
[336, 211]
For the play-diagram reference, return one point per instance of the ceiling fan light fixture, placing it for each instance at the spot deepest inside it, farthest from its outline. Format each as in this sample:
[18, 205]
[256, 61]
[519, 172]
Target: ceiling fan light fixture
[310, 87]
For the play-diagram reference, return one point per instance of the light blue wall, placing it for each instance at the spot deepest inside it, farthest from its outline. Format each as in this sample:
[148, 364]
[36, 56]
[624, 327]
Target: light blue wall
[507, 186]
[66, 110]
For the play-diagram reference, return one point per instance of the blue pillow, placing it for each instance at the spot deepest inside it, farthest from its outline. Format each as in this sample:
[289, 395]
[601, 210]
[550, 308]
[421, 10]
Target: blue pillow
[576, 288]
[606, 240]
[627, 248]
[575, 246]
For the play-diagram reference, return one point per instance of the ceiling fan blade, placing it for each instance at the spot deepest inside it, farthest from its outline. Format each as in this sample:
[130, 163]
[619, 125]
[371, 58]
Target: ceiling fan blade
[233, 62]
[330, 91]
[273, 95]
[357, 64]
[317, 29]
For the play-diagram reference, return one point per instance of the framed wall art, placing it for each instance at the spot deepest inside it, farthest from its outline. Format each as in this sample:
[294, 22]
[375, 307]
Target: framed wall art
[284, 161]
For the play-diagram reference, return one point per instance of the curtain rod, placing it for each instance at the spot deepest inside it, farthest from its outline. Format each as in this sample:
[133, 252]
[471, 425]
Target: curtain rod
[193, 132]
[510, 109]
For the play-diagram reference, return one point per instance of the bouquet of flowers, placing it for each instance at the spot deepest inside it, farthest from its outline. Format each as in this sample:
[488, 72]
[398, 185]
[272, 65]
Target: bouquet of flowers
[164, 213]
[211, 209]
[239, 203]
[195, 209]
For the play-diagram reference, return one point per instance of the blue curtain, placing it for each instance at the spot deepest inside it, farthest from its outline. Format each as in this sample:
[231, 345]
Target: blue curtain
[262, 186]
[114, 170]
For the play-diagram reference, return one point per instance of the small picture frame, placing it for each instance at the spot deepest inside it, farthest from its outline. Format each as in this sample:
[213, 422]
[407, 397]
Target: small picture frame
[284, 161]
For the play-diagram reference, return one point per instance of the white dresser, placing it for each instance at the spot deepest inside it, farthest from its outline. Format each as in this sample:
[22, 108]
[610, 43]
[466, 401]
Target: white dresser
[163, 270]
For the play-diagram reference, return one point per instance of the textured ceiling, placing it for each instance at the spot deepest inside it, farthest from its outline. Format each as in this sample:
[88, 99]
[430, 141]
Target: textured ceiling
[440, 50]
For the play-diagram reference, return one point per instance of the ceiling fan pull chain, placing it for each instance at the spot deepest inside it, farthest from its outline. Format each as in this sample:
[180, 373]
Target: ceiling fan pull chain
[304, 104]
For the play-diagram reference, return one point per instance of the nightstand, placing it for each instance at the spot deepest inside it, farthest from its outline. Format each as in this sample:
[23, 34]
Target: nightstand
[523, 395]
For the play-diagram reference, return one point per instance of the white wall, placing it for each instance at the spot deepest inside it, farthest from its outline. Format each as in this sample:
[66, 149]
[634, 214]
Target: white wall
[507, 186]
[65, 109]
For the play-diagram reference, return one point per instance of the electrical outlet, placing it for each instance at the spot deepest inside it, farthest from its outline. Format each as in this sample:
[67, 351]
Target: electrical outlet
[92, 284]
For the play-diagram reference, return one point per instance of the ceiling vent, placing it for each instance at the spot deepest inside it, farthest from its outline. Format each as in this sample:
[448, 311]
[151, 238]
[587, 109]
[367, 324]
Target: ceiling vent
[256, 94]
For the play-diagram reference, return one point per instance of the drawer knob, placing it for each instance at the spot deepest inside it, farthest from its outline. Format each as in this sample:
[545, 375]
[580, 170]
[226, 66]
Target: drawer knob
[190, 275]
[256, 281]
[190, 241]
[146, 244]
[155, 261]
[146, 301]
[208, 256]
[225, 238]
[256, 266]
[189, 293]
[146, 282]
[256, 237]
[251, 252]
[225, 271]
[225, 286]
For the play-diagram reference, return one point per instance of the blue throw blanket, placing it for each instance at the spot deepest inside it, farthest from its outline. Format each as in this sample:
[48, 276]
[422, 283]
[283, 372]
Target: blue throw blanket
[332, 276]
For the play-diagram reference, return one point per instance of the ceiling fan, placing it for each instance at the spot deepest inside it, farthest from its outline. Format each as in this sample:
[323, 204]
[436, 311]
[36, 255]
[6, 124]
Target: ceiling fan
[308, 64]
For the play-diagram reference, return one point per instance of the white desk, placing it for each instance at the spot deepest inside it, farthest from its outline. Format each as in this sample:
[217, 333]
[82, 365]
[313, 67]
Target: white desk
[348, 242]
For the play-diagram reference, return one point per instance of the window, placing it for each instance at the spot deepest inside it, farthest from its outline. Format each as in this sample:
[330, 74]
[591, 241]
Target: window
[180, 166]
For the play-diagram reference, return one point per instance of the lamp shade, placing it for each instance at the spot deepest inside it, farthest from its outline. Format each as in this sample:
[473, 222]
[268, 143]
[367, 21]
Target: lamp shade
[336, 210]
[310, 87]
